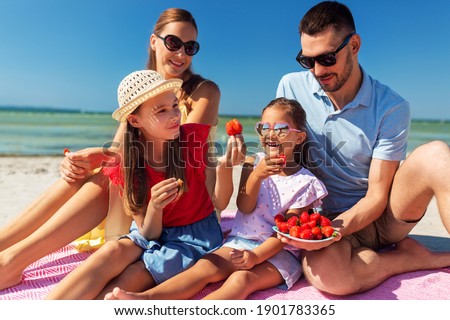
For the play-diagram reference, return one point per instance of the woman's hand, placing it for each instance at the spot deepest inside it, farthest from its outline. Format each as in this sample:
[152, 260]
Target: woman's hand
[78, 165]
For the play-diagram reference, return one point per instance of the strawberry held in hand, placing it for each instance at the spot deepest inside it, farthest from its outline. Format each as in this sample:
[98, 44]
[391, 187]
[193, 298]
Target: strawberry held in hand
[233, 127]
[282, 156]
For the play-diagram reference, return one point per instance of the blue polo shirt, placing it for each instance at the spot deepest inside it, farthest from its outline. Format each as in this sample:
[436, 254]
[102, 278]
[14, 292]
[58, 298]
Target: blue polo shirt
[342, 143]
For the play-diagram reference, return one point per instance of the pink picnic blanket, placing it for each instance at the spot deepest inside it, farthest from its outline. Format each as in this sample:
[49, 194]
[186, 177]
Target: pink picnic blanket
[40, 277]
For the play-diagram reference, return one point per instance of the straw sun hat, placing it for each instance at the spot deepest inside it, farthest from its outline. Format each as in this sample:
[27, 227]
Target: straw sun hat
[138, 87]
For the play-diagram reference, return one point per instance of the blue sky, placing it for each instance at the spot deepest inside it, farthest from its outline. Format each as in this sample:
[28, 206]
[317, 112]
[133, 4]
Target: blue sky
[73, 54]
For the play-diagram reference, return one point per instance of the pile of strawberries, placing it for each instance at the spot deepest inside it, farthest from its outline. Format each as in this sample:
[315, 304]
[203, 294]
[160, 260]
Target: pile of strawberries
[306, 226]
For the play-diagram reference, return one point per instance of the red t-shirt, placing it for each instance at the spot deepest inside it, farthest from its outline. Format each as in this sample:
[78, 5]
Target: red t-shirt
[195, 204]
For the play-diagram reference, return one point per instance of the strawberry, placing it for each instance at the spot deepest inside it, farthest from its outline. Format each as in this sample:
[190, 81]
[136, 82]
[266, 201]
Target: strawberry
[315, 216]
[233, 127]
[312, 223]
[316, 232]
[324, 221]
[304, 217]
[306, 234]
[279, 217]
[180, 184]
[328, 231]
[282, 156]
[283, 227]
[293, 221]
[318, 237]
[295, 231]
[305, 226]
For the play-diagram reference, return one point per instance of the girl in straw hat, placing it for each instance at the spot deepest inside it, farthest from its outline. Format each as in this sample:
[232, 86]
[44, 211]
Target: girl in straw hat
[79, 202]
[173, 225]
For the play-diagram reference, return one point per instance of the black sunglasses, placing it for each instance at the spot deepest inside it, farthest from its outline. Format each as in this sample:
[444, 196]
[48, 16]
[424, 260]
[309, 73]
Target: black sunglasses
[326, 59]
[173, 43]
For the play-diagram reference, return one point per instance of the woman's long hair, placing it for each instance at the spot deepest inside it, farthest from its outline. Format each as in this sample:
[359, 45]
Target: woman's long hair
[168, 16]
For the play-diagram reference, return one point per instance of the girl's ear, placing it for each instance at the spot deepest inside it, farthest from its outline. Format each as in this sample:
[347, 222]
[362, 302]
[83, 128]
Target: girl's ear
[301, 136]
[134, 120]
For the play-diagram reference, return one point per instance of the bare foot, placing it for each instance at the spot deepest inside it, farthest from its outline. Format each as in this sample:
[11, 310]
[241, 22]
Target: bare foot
[11, 275]
[422, 257]
[119, 294]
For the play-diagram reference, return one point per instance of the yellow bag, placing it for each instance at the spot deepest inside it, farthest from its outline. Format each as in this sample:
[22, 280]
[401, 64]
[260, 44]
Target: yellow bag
[92, 240]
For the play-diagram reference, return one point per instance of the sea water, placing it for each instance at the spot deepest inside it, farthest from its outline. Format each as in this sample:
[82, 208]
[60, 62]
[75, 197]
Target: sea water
[48, 132]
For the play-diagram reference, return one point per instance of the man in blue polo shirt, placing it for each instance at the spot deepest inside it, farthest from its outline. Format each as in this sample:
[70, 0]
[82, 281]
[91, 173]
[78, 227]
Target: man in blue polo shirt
[357, 133]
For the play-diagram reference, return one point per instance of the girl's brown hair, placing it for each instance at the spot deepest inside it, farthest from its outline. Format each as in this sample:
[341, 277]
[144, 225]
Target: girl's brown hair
[295, 111]
[136, 185]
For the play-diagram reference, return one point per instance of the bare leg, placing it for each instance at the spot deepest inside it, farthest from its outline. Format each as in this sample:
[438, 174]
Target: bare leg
[241, 283]
[341, 270]
[89, 278]
[134, 278]
[362, 269]
[38, 212]
[212, 267]
[428, 167]
[82, 212]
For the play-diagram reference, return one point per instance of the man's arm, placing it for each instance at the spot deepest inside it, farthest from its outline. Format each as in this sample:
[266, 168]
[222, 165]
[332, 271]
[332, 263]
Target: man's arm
[372, 206]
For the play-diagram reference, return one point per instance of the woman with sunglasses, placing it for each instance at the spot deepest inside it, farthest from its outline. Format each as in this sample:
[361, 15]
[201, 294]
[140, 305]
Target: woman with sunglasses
[358, 129]
[173, 44]
[79, 202]
[252, 258]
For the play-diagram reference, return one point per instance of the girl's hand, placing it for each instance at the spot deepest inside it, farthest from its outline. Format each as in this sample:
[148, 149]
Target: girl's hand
[77, 165]
[236, 151]
[163, 193]
[243, 259]
[269, 166]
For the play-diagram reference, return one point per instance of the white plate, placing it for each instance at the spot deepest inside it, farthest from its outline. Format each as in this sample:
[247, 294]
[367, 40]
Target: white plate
[275, 228]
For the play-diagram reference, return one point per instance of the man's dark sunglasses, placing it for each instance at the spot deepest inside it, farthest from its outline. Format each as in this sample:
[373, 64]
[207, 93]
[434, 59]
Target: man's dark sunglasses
[326, 59]
[173, 43]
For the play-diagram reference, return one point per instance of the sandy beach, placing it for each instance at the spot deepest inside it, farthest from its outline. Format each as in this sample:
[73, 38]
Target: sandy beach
[24, 178]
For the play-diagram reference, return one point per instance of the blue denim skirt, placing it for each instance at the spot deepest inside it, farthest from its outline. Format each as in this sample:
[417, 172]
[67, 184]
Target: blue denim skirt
[178, 248]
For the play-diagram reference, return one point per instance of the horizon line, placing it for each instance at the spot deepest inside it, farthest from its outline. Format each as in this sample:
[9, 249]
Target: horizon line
[73, 110]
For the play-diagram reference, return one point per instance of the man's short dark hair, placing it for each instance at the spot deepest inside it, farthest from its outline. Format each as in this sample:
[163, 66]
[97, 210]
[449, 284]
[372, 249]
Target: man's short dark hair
[327, 14]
